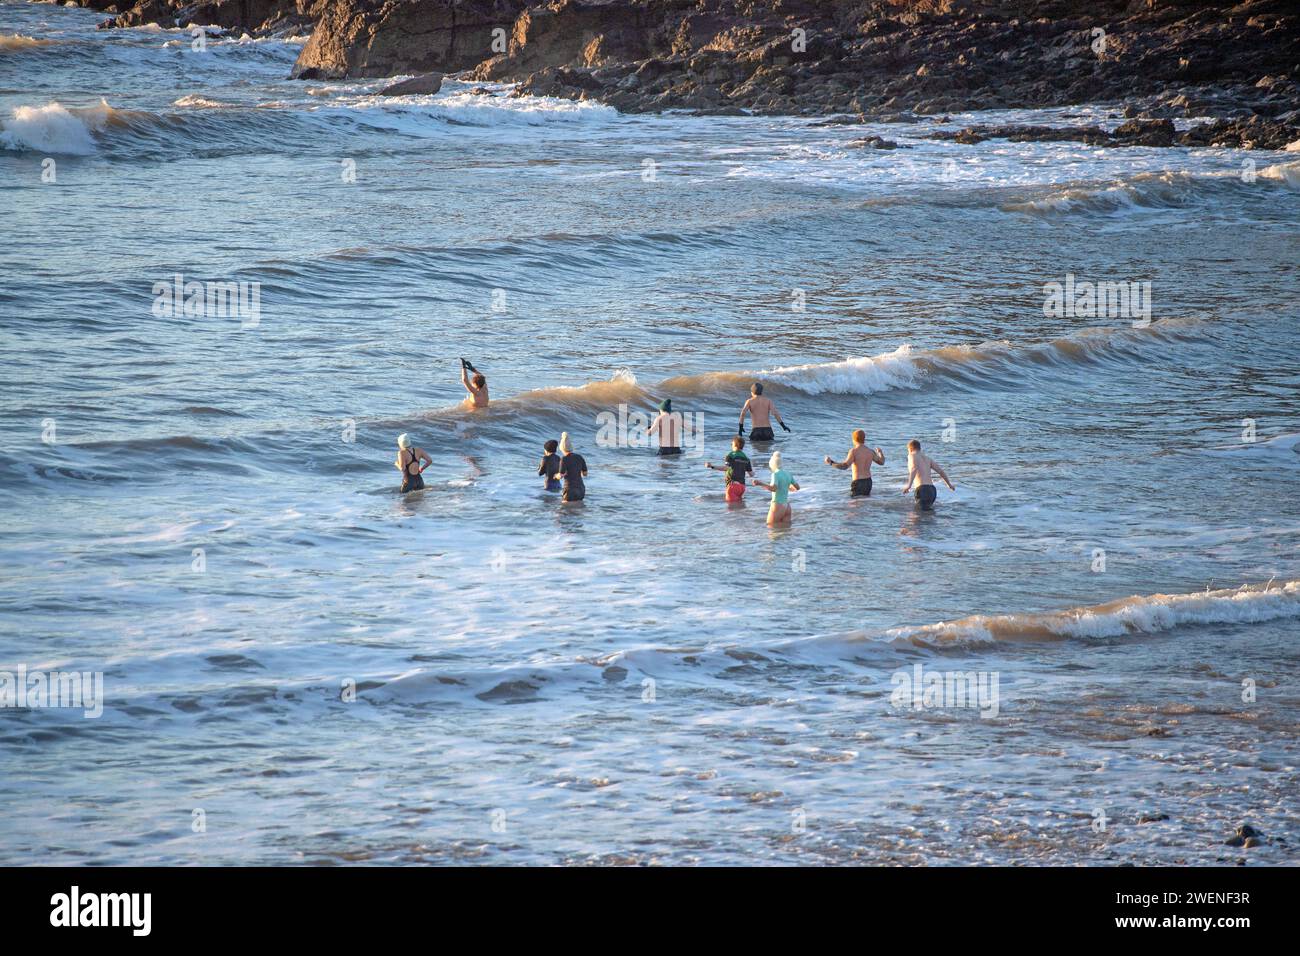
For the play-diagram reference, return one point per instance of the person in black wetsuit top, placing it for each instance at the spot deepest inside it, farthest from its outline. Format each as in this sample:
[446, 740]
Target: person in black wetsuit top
[573, 468]
[550, 466]
[408, 463]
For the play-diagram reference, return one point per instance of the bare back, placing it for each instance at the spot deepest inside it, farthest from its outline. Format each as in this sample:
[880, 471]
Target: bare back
[862, 457]
[668, 427]
[760, 411]
[921, 464]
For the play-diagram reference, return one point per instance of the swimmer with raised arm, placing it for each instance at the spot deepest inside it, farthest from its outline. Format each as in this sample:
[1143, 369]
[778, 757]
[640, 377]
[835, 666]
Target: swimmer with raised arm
[919, 466]
[476, 386]
[761, 411]
[408, 463]
[781, 486]
[860, 458]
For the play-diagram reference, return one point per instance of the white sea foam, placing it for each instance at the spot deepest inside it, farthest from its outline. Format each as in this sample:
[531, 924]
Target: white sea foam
[853, 376]
[16, 42]
[54, 128]
[1132, 615]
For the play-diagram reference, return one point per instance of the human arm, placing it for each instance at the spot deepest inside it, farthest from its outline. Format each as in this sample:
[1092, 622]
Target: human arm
[935, 465]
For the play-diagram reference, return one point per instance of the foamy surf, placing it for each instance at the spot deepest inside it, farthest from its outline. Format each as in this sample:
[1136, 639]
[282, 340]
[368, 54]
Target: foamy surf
[1149, 191]
[54, 128]
[1125, 617]
[992, 363]
[17, 42]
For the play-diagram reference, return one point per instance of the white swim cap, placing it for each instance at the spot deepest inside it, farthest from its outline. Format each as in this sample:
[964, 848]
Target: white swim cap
[565, 447]
[403, 441]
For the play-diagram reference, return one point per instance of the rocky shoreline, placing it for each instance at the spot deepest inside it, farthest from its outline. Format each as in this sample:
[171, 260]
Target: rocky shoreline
[1155, 60]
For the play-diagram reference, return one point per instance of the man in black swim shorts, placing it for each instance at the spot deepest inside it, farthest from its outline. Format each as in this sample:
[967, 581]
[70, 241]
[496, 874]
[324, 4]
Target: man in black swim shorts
[919, 466]
[761, 411]
[860, 458]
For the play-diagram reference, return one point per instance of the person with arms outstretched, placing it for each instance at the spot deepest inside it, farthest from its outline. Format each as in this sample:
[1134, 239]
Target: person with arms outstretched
[737, 467]
[860, 458]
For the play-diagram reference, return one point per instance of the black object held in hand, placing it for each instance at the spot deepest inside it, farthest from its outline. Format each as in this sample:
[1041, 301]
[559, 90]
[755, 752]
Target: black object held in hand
[785, 426]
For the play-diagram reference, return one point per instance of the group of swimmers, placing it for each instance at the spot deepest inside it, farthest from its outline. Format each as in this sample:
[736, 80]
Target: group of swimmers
[563, 469]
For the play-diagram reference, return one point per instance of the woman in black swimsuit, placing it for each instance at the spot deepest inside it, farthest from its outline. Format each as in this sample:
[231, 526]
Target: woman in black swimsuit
[408, 463]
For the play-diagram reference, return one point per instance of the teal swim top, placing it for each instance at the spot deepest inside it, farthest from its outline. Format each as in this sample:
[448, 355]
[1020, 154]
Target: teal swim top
[781, 481]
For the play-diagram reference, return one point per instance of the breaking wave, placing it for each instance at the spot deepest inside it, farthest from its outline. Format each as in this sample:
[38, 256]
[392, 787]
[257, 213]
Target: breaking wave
[1149, 614]
[1151, 191]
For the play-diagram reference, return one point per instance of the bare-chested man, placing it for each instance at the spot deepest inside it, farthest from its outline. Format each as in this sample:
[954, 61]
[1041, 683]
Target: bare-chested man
[668, 426]
[860, 457]
[919, 465]
[761, 411]
[477, 386]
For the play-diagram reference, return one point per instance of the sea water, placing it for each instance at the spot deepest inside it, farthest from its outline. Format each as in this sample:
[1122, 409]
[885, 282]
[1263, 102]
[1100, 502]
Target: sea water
[300, 665]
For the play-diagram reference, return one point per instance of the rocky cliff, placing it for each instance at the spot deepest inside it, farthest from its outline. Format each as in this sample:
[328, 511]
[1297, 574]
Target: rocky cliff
[889, 58]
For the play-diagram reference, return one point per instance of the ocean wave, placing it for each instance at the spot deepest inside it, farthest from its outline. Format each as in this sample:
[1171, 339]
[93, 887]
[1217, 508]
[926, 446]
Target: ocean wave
[208, 125]
[1151, 191]
[257, 676]
[990, 364]
[55, 128]
[1126, 617]
[1139, 614]
[493, 110]
[1283, 448]
[993, 365]
[1286, 173]
[18, 42]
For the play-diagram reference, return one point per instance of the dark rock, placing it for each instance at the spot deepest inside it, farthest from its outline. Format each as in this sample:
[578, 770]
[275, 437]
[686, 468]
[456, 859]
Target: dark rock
[1254, 133]
[425, 85]
[1246, 836]
[1138, 132]
[1153, 817]
[364, 38]
[1164, 58]
[874, 142]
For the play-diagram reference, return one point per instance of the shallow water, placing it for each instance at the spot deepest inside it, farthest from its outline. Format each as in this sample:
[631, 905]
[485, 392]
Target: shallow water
[649, 676]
